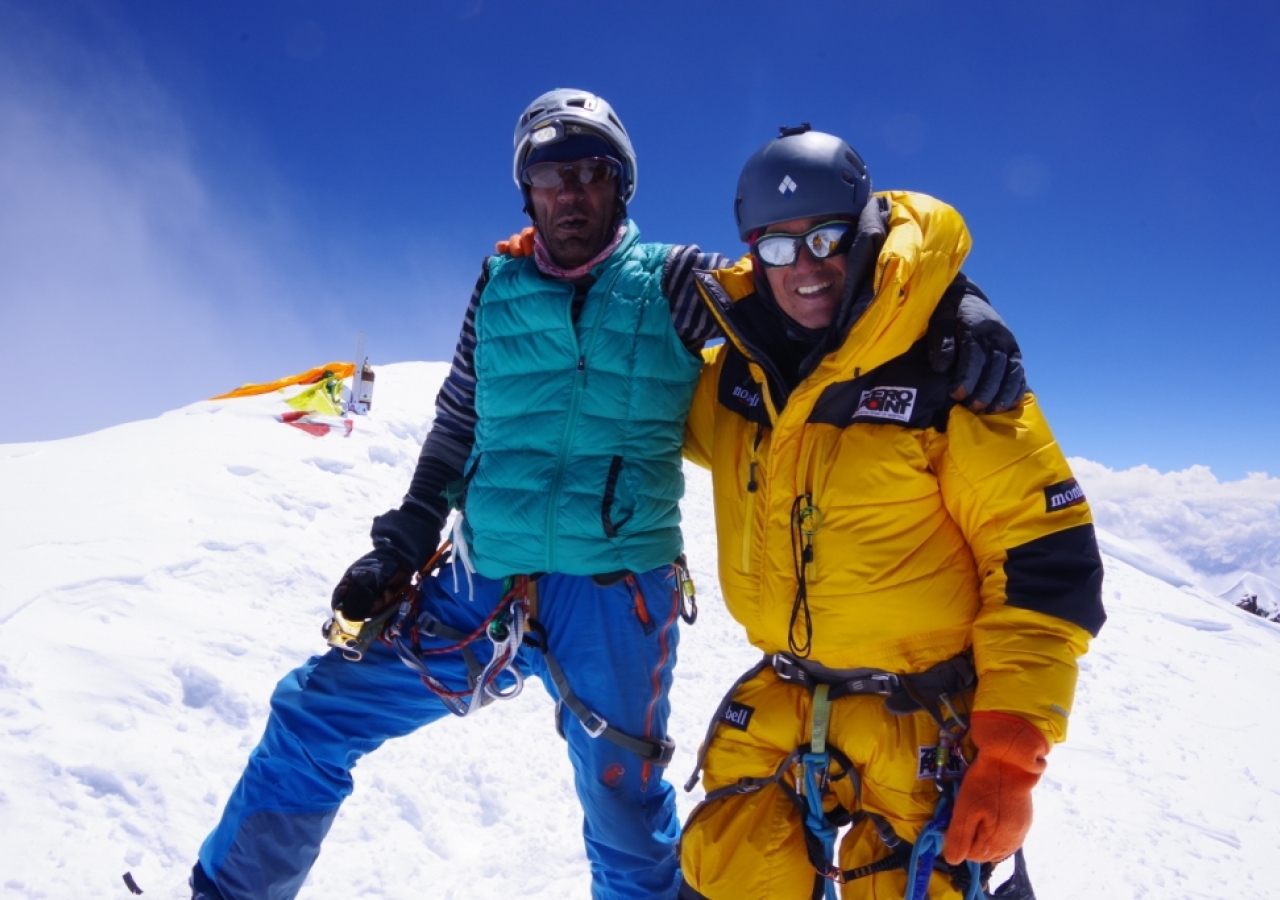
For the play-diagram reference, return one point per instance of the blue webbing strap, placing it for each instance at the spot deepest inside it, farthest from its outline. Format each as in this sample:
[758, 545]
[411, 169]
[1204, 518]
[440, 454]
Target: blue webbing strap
[927, 847]
[815, 765]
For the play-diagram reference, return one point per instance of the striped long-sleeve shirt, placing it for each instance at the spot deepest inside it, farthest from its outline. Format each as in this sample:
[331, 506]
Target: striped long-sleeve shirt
[447, 446]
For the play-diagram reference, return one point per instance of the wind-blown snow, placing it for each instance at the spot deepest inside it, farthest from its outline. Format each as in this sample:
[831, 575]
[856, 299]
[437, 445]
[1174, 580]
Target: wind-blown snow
[161, 576]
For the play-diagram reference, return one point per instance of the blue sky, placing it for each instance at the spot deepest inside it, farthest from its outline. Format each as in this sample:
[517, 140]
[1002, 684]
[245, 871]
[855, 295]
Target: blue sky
[199, 194]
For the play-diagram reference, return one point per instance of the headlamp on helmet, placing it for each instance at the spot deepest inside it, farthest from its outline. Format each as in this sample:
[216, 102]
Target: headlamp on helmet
[565, 114]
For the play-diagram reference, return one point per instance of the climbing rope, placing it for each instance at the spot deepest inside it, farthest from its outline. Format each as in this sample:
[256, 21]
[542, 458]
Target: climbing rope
[505, 628]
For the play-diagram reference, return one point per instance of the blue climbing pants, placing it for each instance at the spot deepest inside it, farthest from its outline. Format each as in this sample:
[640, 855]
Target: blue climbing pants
[617, 647]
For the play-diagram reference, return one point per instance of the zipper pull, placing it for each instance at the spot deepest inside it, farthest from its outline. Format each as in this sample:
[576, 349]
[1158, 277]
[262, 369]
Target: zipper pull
[638, 605]
[748, 519]
[582, 363]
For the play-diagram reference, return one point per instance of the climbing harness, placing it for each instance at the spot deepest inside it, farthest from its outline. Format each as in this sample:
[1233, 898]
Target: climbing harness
[505, 629]
[814, 767]
[511, 625]
[657, 751]
[653, 750]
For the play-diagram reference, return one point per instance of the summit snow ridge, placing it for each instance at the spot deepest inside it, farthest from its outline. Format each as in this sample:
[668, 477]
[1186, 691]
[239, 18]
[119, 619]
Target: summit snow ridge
[162, 575]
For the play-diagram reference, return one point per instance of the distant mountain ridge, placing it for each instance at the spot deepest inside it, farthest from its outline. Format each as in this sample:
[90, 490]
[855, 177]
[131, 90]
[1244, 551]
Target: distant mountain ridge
[1265, 594]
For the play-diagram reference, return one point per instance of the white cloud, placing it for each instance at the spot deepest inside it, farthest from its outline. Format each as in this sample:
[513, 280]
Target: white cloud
[1209, 530]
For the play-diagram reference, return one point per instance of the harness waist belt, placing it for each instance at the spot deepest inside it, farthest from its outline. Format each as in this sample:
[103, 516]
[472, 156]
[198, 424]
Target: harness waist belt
[903, 693]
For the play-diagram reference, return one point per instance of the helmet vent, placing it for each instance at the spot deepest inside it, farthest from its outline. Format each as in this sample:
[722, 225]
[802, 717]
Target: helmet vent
[847, 177]
[579, 102]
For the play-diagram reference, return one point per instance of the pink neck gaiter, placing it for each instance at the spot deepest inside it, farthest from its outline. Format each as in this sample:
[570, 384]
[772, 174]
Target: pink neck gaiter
[542, 256]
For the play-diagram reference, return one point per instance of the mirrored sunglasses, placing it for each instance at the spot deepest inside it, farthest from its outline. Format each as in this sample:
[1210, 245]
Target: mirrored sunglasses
[584, 171]
[827, 239]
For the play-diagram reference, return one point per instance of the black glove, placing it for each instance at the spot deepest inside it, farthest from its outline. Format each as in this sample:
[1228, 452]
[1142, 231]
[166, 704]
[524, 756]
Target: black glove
[403, 541]
[968, 339]
[369, 585]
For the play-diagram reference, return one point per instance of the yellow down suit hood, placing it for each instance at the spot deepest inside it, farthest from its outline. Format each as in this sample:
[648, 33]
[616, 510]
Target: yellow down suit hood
[929, 530]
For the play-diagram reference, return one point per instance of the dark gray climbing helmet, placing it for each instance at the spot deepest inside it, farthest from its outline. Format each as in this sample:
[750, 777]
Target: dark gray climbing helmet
[799, 174]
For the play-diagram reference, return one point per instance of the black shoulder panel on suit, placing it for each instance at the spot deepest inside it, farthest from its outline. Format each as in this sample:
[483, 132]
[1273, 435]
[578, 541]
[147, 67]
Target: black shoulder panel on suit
[1060, 575]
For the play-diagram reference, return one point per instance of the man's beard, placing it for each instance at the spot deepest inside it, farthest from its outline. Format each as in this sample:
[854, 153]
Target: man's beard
[573, 250]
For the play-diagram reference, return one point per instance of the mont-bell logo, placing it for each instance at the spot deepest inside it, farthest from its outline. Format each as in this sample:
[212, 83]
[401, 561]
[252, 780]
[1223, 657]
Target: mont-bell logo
[893, 403]
[751, 398]
[738, 715]
[1062, 495]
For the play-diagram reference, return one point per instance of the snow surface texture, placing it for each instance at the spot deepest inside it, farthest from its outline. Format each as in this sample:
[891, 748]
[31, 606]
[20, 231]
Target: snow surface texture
[162, 575]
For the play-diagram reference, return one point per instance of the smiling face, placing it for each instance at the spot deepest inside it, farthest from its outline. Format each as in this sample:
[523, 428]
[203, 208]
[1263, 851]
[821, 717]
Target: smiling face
[808, 290]
[575, 220]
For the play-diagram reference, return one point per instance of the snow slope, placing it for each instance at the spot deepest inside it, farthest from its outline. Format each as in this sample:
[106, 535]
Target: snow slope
[162, 575]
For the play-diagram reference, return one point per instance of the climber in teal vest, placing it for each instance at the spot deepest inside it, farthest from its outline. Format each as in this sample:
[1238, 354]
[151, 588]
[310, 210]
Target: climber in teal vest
[557, 438]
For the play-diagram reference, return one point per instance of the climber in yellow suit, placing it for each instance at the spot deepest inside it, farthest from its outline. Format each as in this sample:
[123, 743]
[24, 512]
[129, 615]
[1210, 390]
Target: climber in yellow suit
[918, 574]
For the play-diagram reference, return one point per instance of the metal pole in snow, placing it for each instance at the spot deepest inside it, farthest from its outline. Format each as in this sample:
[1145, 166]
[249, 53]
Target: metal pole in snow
[353, 398]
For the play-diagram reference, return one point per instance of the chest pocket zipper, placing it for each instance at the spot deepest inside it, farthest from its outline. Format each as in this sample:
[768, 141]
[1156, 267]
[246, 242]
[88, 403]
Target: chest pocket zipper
[606, 503]
[753, 487]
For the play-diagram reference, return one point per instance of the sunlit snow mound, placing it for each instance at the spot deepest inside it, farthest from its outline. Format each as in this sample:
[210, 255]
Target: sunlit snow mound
[161, 576]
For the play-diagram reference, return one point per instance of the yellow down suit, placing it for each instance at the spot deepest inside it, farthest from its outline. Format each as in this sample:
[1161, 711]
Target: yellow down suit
[930, 531]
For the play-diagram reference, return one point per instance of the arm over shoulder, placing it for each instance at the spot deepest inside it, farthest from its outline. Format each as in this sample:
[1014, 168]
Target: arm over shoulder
[699, 431]
[689, 314]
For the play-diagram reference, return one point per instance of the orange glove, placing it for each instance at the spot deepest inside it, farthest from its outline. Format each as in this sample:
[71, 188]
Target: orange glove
[518, 245]
[993, 809]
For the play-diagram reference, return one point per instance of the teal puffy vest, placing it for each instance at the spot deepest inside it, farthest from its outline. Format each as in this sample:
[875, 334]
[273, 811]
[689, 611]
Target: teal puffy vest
[576, 466]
